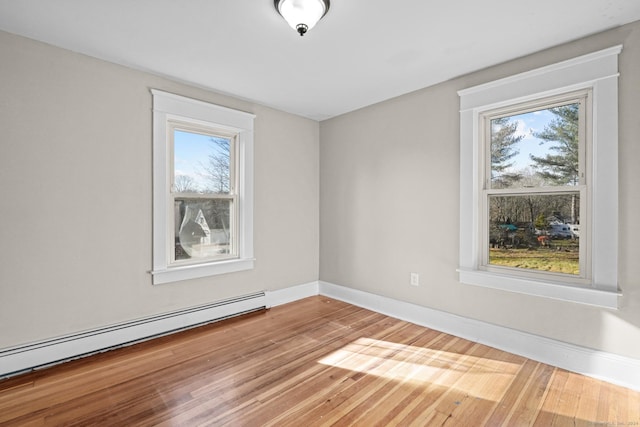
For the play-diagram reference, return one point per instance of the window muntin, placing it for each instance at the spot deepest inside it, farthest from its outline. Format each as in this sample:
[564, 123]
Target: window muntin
[203, 194]
[534, 182]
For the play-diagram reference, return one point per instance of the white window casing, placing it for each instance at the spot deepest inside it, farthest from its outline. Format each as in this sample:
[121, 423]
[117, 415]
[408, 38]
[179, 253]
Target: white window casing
[169, 109]
[596, 74]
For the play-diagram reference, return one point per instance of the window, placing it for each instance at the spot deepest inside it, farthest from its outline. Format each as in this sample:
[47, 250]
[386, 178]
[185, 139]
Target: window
[534, 182]
[203, 194]
[203, 158]
[538, 181]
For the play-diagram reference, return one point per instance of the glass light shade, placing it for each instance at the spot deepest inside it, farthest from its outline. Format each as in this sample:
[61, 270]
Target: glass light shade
[302, 13]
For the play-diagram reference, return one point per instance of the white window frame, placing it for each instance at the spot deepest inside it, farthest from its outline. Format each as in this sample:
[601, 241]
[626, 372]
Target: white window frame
[169, 110]
[597, 73]
[583, 188]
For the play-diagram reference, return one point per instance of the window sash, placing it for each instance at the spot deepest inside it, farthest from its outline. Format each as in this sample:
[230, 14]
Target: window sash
[583, 98]
[584, 278]
[214, 132]
[233, 232]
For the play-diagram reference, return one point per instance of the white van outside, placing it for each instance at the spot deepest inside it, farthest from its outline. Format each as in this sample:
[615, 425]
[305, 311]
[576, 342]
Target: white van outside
[560, 231]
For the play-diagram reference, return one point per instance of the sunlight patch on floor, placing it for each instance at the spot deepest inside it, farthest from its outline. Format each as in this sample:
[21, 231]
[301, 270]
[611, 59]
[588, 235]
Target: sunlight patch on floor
[421, 365]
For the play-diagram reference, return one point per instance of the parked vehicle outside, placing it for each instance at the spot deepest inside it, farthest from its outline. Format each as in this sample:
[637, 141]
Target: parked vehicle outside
[575, 229]
[560, 231]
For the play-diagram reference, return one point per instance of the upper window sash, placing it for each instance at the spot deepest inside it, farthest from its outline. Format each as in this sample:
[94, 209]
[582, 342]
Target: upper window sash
[206, 131]
[582, 99]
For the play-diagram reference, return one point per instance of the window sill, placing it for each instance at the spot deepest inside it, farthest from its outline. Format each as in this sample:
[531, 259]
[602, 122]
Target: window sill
[559, 291]
[175, 274]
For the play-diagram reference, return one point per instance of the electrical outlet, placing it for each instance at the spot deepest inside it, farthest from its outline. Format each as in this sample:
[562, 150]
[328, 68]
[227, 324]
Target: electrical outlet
[415, 279]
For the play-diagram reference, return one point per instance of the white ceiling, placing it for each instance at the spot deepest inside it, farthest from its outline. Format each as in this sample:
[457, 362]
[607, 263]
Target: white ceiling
[362, 52]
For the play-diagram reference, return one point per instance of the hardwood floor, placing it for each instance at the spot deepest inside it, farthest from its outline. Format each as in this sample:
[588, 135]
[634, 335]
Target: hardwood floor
[314, 362]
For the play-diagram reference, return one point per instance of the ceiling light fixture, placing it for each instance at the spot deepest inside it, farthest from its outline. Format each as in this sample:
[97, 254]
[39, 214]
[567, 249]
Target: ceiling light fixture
[302, 15]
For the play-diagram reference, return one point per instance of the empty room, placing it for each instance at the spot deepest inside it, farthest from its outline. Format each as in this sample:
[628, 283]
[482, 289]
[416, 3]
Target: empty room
[314, 212]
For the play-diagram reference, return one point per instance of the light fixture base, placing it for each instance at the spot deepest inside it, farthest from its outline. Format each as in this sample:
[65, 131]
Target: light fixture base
[302, 15]
[302, 29]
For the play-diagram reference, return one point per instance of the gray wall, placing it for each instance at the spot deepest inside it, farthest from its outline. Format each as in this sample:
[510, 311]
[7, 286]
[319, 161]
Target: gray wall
[389, 185]
[75, 211]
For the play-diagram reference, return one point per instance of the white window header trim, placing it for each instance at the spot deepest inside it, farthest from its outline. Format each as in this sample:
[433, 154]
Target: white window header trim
[200, 110]
[576, 72]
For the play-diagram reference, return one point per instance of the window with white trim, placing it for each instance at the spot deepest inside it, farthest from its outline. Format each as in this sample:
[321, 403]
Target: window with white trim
[203, 195]
[538, 181]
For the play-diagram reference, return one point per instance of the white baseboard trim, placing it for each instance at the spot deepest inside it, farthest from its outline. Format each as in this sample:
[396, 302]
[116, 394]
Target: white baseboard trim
[293, 293]
[620, 370]
[23, 358]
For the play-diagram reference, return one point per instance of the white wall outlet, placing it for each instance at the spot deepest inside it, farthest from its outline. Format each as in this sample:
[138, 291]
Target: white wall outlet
[415, 279]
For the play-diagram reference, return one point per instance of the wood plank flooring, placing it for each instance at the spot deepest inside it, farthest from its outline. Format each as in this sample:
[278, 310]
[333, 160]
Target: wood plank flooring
[314, 362]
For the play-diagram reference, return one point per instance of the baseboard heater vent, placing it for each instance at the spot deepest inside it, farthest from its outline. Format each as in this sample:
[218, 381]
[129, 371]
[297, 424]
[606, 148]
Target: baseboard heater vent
[19, 359]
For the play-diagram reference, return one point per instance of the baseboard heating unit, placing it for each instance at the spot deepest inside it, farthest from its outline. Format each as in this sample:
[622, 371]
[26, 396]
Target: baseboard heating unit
[15, 360]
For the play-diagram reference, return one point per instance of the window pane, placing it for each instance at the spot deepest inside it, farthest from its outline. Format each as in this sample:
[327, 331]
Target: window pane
[536, 149]
[535, 232]
[201, 163]
[202, 228]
